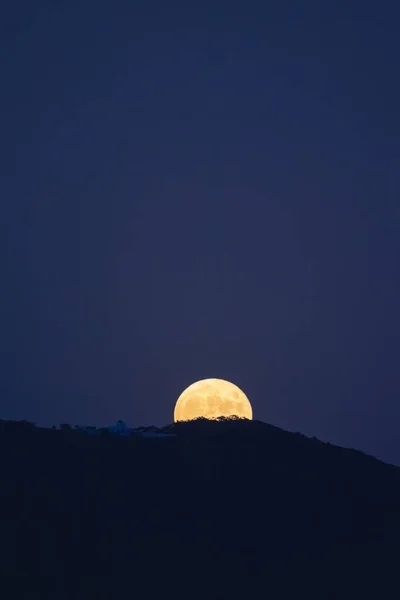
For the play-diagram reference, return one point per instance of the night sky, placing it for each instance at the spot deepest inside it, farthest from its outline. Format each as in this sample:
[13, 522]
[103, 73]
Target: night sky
[202, 189]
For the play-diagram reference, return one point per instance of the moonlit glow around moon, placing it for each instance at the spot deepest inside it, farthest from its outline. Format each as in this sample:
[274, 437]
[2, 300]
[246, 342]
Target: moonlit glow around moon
[212, 398]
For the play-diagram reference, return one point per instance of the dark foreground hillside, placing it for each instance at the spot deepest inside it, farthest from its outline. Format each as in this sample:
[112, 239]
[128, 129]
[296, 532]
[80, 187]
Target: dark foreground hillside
[229, 510]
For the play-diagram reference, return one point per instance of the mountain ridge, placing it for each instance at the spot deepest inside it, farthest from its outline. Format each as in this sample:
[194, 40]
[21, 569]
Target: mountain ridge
[218, 510]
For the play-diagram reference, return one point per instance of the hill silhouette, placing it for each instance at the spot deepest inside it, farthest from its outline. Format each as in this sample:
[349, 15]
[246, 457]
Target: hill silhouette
[222, 509]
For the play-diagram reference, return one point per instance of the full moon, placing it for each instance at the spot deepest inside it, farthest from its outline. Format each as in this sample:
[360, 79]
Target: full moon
[212, 398]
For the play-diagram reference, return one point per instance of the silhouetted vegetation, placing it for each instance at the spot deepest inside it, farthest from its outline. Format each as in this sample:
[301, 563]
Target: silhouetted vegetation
[228, 509]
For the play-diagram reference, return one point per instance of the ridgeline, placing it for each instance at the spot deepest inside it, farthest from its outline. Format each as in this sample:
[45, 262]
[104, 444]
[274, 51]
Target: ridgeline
[228, 509]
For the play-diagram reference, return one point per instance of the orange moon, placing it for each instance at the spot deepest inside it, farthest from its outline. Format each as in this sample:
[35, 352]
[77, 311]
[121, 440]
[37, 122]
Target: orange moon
[212, 398]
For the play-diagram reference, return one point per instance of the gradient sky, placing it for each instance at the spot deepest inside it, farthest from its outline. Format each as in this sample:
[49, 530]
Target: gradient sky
[202, 191]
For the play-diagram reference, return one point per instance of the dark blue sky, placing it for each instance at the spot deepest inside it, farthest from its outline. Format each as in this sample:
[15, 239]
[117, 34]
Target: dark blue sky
[194, 191]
